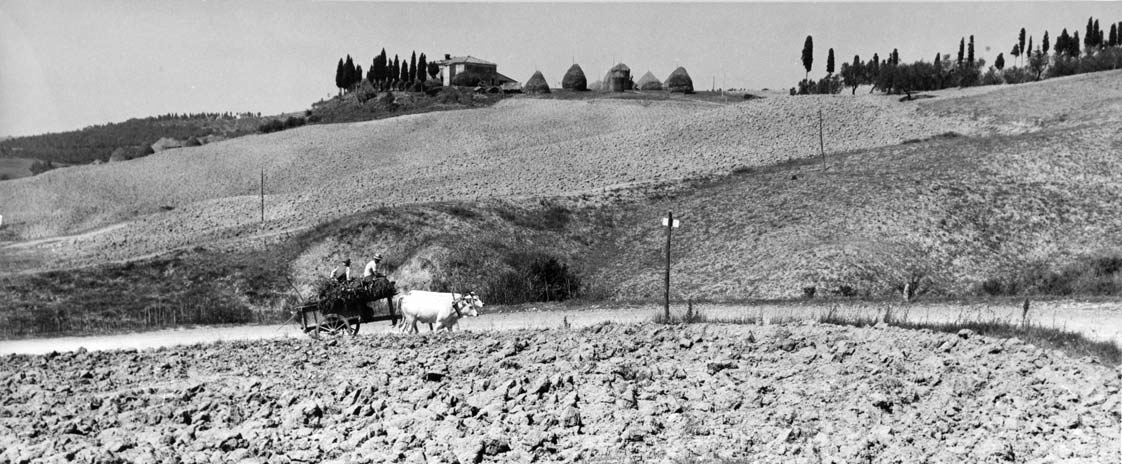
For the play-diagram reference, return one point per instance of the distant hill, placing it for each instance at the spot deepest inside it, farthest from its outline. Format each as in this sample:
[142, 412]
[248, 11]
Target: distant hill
[100, 141]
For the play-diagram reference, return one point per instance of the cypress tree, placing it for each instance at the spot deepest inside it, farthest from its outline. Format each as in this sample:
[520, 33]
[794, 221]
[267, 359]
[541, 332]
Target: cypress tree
[1016, 51]
[404, 73]
[970, 53]
[1074, 46]
[395, 70]
[1021, 43]
[339, 76]
[830, 62]
[348, 72]
[999, 63]
[1045, 43]
[961, 50]
[895, 57]
[1112, 40]
[808, 55]
[873, 69]
[1028, 52]
[357, 76]
[1062, 43]
[422, 68]
[413, 67]
[1089, 36]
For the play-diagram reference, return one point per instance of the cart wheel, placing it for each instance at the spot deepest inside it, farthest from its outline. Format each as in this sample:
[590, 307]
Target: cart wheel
[335, 326]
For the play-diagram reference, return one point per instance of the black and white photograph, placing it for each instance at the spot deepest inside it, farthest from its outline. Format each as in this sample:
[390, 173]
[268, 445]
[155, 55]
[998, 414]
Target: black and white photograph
[808, 232]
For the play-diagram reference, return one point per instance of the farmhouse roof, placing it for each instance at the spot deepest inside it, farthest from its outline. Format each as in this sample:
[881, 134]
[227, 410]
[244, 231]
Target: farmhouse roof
[501, 78]
[463, 59]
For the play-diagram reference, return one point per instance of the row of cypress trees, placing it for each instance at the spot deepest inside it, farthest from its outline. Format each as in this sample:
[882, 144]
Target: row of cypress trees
[1100, 51]
[385, 74]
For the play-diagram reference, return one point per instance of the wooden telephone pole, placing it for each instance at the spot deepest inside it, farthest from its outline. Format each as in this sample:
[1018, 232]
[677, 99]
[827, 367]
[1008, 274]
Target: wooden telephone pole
[670, 223]
[821, 142]
[262, 194]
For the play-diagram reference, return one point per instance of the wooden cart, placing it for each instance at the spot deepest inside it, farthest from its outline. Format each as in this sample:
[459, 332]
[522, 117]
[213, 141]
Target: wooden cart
[334, 318]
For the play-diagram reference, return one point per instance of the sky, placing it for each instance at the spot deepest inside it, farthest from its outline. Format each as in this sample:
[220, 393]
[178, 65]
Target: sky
[68, 64]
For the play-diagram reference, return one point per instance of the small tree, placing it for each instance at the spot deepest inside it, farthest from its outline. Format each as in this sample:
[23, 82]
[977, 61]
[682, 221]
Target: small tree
[434, 70]
[895, 57]
[808, 55]
[1016, 51]
[1037, 63]
[1045, 43]
[830, 62]
[357, 77]
[853, 75]
[999, 63]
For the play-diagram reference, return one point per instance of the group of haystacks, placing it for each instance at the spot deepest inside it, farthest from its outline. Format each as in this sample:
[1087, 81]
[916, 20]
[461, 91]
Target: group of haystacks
[618, 79]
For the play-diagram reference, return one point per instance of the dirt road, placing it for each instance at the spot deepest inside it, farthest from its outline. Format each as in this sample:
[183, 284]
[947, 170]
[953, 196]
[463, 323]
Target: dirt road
[1098, 321]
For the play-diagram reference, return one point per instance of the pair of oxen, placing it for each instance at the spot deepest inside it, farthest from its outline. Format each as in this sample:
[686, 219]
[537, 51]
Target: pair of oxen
[440, 310]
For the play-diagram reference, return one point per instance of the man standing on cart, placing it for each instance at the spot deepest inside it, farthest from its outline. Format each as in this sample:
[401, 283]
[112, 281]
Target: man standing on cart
[372, 267]
[342, 273]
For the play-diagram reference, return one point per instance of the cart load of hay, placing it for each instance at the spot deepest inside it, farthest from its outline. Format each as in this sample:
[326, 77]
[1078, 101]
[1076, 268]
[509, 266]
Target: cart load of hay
[332, 292]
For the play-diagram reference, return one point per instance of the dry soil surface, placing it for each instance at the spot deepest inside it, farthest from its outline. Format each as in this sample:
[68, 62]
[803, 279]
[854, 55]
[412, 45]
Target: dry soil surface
[1101, 321]
[607, 393]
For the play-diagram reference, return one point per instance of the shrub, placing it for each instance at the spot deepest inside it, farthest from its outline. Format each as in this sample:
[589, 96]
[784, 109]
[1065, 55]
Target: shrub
[466, 79]
[273, 125]
[808, 292]
[39, 167]
[534, 278]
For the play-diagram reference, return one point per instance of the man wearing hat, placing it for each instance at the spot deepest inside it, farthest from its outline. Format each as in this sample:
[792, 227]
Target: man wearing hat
[342, 273]
[372, 266]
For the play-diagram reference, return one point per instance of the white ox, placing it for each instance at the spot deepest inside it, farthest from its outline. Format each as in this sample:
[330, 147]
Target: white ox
[440, 308]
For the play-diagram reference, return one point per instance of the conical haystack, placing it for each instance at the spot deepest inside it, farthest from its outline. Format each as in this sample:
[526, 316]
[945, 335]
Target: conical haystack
[619, 78]
[536, 84]
[574, 79]
[679, 81]
[649, 82]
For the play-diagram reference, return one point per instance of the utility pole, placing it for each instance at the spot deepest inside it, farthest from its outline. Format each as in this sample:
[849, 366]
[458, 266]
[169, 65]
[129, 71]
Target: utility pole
[821, 142]
[262, 194]
[670, 223]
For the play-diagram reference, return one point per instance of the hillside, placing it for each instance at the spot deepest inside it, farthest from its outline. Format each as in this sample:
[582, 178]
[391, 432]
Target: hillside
[521, 147]
[1006, 204]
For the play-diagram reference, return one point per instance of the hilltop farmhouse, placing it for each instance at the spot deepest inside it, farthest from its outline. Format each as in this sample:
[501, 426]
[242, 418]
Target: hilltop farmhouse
[474, 72]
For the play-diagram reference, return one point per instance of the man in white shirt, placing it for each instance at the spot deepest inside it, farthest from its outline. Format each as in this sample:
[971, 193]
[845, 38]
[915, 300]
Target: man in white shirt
[342, 273]
[372, 266]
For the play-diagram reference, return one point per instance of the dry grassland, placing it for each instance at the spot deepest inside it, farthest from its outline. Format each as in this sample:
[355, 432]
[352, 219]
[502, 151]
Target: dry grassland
[519, 147]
